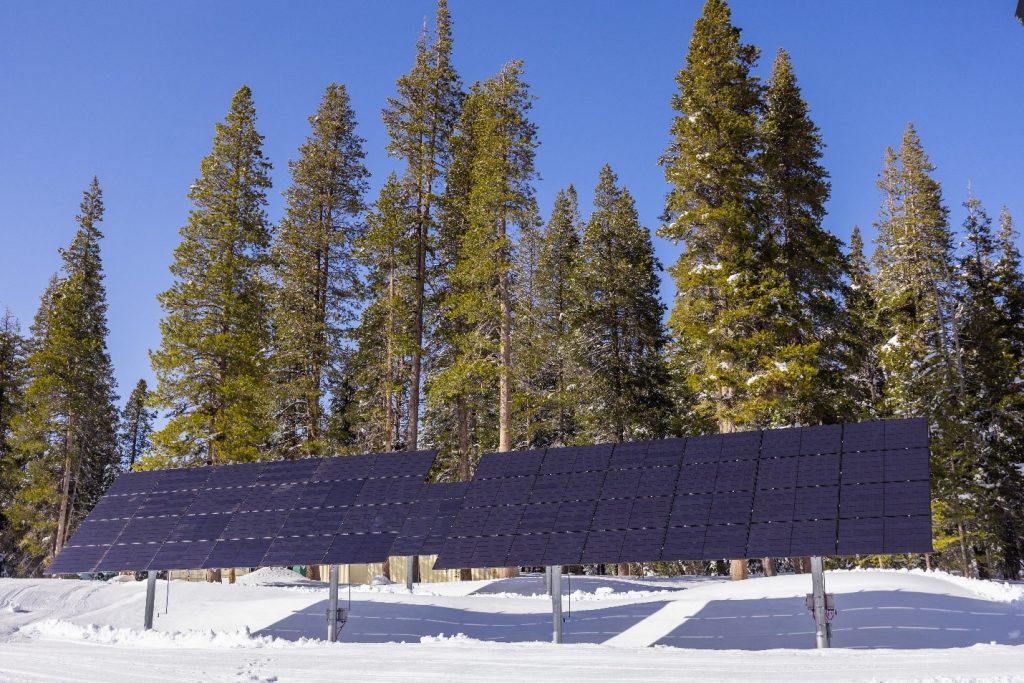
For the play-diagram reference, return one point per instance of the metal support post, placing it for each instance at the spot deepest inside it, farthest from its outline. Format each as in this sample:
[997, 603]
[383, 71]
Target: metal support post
[150, 599]
[556, 603]
[410, 565]
[822, 634]
[332, 606]
[547, 580]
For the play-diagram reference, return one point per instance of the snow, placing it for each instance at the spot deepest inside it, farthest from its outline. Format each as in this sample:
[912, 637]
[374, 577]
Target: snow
[269, 625]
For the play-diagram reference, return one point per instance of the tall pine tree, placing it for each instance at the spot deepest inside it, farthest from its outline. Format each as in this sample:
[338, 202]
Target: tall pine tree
[212, 365]
[618, 319]
[136, 426]
[317, 301]
[421, 118]
[65, 438]
[12, 391]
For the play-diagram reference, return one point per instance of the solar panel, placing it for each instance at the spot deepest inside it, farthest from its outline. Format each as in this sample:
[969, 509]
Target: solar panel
[817, 490]
[236, 515]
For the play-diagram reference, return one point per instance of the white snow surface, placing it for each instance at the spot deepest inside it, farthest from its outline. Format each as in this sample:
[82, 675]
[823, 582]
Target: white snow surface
[891, 625]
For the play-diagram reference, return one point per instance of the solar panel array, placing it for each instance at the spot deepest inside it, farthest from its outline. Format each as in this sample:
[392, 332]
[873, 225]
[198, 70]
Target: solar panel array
[330, 510]
[430, 519]
[829, 490]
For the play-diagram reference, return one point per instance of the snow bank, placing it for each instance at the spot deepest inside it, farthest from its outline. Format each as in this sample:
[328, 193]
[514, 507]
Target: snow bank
[275, 576]
[59, 629]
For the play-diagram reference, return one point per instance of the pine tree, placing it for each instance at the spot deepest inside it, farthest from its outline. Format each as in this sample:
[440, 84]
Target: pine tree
[922, 360]
[500, 200]
[319, 279]
[12, 391]
[212, 364]
[420, 120]
[557, 299]
[65, 438]
[794, 189]
[863, 383]
[385, 334]
[136, 426]
[618, 320]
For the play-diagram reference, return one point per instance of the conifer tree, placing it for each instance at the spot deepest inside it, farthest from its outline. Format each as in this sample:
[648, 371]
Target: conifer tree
[212, 364]
[557, 300]
[316, 303]
[618, 320]
[136, 426]
[65, 438]
[794, 188]
[385, 334]
[12, 390]
[499, 201]
[862, 337]
[421, 119]
[922, 359]
[711, 165]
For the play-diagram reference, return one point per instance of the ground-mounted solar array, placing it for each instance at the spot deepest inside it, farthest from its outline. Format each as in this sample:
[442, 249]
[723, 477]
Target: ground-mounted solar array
[829, 490]
[331, 510]
[430, 519]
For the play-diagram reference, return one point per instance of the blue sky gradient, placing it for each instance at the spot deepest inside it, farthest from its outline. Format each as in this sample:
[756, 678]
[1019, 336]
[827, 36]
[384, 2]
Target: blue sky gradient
[130, 92]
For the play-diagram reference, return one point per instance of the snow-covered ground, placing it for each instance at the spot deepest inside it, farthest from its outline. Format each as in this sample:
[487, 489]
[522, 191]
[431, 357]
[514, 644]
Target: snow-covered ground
[267, 627]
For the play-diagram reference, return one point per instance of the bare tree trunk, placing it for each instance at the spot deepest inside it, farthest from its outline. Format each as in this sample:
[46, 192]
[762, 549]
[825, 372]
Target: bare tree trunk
[622, 569]
[313, 572]
[231, 575]
[64, 513]
[965, 558]
[213, 576]
[738, 570]
[385, 568]
[769, 566]
[927, 562]
[504, 379]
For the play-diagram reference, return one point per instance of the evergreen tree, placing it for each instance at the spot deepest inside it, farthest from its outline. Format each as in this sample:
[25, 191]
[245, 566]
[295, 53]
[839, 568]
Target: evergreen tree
[385, 334]
[212, 364]
[319, 279]
[618, 319]
[794, 189]
[557, 300]
[500, 200]
[421, 119]
[862, 336]
[136, 426]
[65, 438]
[922, 359]
[12, 390]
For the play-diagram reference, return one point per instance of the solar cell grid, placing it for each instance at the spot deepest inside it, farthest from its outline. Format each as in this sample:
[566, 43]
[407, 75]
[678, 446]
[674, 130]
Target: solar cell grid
[629, 455]
[821, 439]
[863, 436]
[703, 448]
[741, 446]
[780, 443]
[912, 433]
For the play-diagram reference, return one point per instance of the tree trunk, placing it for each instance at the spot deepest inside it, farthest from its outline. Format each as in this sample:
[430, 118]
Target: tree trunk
[313, 572]
[738, 570]
[622, 569]
[64, 514]
[769, 566]
[965, 559]
[213, 576]
[504, 379]
[231, 575]
[385, 568]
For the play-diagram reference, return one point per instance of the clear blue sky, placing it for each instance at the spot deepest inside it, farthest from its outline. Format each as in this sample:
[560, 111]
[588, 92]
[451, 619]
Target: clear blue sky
[130, 91]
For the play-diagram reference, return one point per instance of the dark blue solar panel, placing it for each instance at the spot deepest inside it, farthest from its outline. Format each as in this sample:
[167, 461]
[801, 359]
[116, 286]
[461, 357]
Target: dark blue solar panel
[135, 482]
[586, 485]
[575, 516]
[563, 548]
[166, 503]
[297, 550]
[97, 532]
[736, 475]
[244, 552]
[603, 546]
[861, 500]
[703, 448]
[650, 513]
[769, 539]
[821, 439]
[244, 474]
[862, 468]
[863, 436]
[549, 488]
[558, 460]
[775, 473]
[906, 498]
[223, 500]
[117, 507]
[539, 518]
[147, 529]
[683, 543]
[814, 537]
[741, 446]
[182, 555]
[912, 534]
[641, 545]
[491, 551]
[505, 519]
[816, 502]
[697, 478]
[184, 478]
[818, 470]
[665, 453]
[629, 455]
[725, 542]
[911, 433]
[289, 471]
[906, 465]
[593, 459]
[773, 505]
[526, 549]
[621, 484]
[657, 481]
[780, 443]
[690, 510]
[731, 507]
[860, 536]
[524, 464]
[129, 557]
[491, 466]
[612, 514]
[374, 547]
[74, 559]
[259, 524]
[199, 528]
[345, 467]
